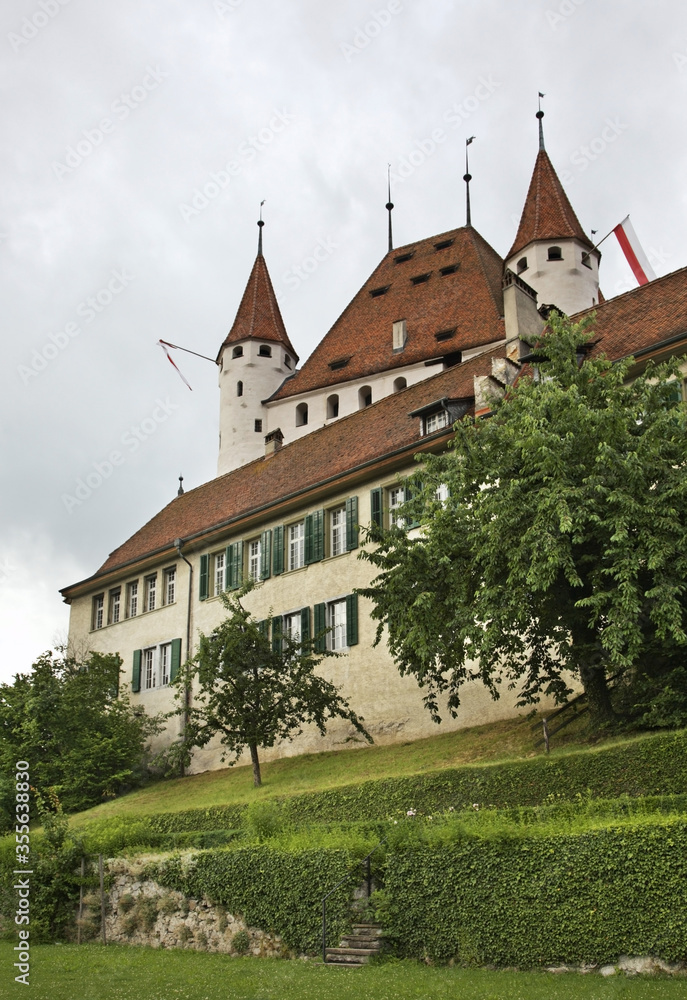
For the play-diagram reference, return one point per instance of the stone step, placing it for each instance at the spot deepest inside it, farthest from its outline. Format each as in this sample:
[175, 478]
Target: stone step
[358, 941]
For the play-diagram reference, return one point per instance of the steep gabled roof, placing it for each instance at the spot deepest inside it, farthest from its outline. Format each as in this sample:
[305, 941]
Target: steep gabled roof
[259, 316]
[409, 284]
[354, 442]
[547, 215]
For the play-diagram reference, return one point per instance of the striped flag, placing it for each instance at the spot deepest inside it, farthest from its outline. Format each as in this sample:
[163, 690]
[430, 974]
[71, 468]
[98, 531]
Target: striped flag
[163, 345]
[632, 248]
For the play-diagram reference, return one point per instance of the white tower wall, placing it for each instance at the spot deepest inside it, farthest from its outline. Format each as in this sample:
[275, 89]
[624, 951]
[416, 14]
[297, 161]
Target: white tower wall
[566, 283]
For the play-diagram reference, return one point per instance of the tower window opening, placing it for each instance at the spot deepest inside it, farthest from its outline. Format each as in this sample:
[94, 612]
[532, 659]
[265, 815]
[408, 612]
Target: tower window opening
[301, 414]
[264, 351]
[239, 388]
[522, 265]
[555, 253]
[332, 407]
[399, 383]
[237, 352]
[287, 360]
[587, 259]
[258, 426]
[364, 397]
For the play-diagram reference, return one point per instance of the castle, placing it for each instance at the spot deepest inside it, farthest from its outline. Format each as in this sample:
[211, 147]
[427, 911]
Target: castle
[308, 455]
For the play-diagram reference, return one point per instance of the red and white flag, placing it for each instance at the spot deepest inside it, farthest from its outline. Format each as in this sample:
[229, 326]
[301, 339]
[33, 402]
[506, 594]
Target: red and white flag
[632, 248]
[163, 345]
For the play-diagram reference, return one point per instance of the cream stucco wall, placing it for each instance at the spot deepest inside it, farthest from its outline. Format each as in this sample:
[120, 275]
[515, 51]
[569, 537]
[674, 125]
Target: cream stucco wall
[566, 283]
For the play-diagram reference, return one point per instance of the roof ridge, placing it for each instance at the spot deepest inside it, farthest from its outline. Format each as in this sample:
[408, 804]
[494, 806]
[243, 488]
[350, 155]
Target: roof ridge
[630, 291]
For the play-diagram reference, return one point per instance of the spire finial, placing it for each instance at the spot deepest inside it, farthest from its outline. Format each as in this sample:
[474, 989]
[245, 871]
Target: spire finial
[180, 491]
[389, 206]
[260, 225]
[467, 177]
[540, 115]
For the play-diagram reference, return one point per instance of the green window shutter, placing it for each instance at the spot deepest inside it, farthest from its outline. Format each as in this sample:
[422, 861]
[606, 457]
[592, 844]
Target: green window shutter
[351, 523]
[277, 629]
[136, 674]
[377, 507]
[264, 627]
[265, 554]
[235, 565]
[176, 659]
[227, 563]
[309, 539]
[320, 624]
[305, 625]
[318, 535]
[352, 620]
[278, 550]
[204, 577]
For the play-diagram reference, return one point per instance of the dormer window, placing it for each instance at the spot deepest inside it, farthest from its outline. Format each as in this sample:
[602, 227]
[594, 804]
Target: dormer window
[522, 264]
[402, 258]
[435, 421]
[420, 279]
[555, 253]
[264, 351]
[399, 334]
[444, 245]
[338, 363]
[449, 269]
[376, 292]
[237, 352]
[445, 334]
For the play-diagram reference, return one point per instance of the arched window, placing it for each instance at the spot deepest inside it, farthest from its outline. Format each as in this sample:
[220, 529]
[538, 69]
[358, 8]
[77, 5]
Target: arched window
[239, 388]
[364, 397]
[399, 383]
[301, 414]
[332, 407]
[555, 253]
[264, 351]
[522, 265]
[237, 352]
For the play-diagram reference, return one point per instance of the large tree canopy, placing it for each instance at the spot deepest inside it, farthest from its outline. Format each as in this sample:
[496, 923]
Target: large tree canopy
[251, 690]
[79, 733]
[562, 547]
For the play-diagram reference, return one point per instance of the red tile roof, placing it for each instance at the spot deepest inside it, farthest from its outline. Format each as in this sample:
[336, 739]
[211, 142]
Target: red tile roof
[362, 438]
[258, 316]
[642, 318]
[469, 300]
[547, 215]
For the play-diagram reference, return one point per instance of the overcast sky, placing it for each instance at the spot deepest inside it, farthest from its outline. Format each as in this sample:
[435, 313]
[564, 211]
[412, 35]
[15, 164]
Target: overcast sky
[116, 117]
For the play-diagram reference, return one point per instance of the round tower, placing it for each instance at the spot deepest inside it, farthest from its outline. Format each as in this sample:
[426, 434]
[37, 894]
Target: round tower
[254, 360]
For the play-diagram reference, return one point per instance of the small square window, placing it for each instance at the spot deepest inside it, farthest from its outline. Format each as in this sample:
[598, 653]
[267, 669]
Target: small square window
[264, 351]
[258, 426]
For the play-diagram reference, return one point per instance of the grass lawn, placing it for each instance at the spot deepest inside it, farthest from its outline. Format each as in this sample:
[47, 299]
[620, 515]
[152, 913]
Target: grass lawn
[506, 740]
[91, 972]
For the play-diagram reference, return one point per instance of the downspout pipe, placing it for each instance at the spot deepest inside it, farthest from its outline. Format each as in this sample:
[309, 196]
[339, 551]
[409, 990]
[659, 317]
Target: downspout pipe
[178, 545]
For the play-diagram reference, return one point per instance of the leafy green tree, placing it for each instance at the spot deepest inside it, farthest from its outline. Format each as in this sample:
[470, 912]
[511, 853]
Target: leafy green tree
[561, 551]
[252, 691]
[79, 733]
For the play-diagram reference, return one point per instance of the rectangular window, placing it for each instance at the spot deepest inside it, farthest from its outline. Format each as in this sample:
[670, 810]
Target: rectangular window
[292, 626]
[219, 573]
[132, 600]
[170, 585]
[151, 589]
[338, 531]
[441, 493]
[296, 545]
[149, 669]
[98, 611]
[254, 558]
[114, 610]
[435, 421]
[165, 662]
[336, 622]
[397, 497]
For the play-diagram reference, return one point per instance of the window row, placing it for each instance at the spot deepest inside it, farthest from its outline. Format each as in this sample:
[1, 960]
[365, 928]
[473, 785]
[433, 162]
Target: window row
[281, 549]
[386, 505]
[156, 666]
[333, 624]
[135, 598]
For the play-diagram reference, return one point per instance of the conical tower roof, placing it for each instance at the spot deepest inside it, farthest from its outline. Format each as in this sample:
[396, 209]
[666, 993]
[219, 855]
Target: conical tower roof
[259, 316]
[547, 215]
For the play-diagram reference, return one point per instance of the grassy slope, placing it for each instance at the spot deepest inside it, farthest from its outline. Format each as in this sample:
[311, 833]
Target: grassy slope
[92, 972]
[507, 740]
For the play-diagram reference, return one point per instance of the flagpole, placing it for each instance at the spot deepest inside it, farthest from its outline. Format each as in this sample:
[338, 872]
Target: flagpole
[177, 348]
[588, 252]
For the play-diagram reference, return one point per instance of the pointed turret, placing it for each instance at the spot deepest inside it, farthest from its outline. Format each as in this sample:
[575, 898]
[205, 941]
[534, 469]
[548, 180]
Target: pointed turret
[254, 360]
[551, 251]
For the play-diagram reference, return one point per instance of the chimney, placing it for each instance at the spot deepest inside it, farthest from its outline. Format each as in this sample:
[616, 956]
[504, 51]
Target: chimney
[273, 442]
[523, 322]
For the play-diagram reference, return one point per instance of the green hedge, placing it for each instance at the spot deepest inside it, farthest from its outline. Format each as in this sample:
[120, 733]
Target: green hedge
[277, 891]
[533, 902]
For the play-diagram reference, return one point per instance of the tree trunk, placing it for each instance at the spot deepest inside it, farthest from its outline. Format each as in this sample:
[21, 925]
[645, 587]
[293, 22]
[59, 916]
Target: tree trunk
[593, 677]
[257, 781]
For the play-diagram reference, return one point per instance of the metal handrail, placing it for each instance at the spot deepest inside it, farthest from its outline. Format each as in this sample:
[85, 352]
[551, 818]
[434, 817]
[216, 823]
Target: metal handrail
[346, 878]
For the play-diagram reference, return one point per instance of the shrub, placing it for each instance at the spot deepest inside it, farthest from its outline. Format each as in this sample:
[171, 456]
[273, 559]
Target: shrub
[240, 942]
[126, 902]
